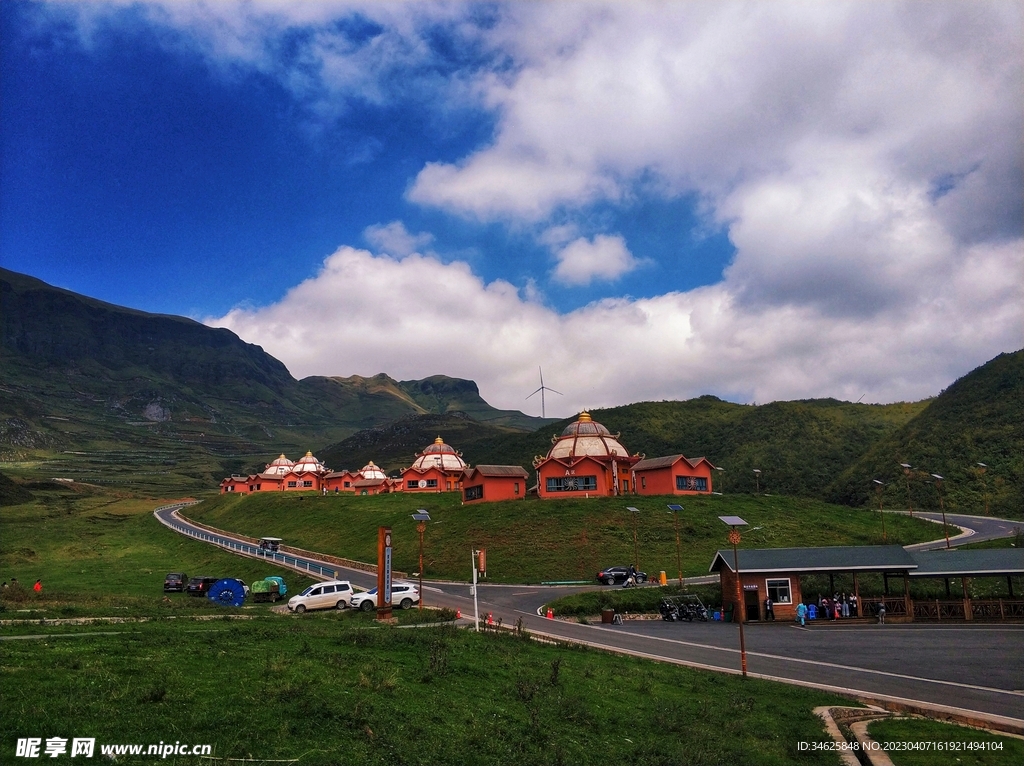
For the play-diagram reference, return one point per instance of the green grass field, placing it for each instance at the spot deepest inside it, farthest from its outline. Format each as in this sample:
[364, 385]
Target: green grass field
[965, 747]
[548, 540]
[329, 690]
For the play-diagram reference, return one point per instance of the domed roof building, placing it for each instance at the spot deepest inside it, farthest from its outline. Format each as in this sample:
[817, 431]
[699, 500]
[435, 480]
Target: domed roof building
[371, 471]
[279, 467]
[438, 468]
[308, 464]
[585, 459]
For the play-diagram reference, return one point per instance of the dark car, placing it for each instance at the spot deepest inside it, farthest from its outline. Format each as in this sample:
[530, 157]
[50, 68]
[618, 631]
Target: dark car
[618, 575]
[175, 582]
[200, 586]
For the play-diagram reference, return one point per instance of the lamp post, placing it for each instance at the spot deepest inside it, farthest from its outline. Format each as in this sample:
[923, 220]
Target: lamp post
[757, 481]
[879, 489]
[907, 468]
[984, 483]
[636, 555]
[421, 517]
[721, 480]
[675, 510]
[734, 538]
[942, 506]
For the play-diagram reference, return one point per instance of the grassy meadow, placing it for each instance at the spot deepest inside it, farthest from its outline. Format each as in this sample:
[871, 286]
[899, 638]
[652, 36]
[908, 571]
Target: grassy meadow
[532, 541]
[974, 747]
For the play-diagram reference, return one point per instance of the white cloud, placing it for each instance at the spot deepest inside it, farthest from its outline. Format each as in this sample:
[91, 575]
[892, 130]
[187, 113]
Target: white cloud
[603, 257]
[415, 316]
[393, 239]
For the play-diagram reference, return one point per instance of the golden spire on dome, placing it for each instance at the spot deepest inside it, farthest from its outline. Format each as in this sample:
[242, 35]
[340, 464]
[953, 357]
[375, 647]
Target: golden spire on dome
[438, 440]
[369, 464]
[309, 453]
[585, 417]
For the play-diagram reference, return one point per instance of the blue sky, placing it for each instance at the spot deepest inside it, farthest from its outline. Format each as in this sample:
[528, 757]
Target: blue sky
[650, 200]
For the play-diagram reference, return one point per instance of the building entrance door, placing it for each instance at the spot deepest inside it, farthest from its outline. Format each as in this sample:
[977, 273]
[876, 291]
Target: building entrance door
[751, 605]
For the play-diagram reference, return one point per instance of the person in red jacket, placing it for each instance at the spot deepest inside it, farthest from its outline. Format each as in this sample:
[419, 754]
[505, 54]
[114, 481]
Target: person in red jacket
[38, 587]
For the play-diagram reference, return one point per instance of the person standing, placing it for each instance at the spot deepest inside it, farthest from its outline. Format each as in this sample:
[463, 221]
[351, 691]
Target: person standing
[801, 612]
[769, 609]
[881, 613]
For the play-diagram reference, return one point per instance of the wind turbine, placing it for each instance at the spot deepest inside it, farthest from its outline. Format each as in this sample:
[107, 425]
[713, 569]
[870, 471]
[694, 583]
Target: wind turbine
[542, 389]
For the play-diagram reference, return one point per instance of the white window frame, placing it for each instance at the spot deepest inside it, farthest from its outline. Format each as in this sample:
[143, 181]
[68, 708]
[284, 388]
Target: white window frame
[777, 580]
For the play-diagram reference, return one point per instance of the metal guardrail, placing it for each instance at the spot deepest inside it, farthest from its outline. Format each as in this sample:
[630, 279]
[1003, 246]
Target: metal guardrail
[242, 548]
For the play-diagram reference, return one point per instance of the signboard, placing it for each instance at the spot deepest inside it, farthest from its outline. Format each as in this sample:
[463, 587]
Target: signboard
[749, 587]
[384, 573]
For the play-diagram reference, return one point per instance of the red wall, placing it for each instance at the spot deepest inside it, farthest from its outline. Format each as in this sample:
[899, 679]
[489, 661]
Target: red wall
[496, 488]
[584, 467]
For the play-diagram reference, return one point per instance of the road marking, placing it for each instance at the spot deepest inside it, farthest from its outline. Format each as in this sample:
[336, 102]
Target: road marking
[819, 663]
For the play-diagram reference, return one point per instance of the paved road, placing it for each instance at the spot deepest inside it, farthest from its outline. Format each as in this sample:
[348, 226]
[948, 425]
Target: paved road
[976, 667]
[982, 528]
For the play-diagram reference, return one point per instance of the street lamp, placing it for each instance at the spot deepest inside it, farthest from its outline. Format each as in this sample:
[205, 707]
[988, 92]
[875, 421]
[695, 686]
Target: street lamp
[734, 538]
[721, 480]
[984, 483]
[636, 555]
[879, 489]
[421, 517]
[942, 506]
[907, 468]
[757, 481]
[674, 510]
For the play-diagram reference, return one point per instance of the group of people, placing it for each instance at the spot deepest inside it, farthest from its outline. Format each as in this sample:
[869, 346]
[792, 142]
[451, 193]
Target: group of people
[38, 587]
[837, 607]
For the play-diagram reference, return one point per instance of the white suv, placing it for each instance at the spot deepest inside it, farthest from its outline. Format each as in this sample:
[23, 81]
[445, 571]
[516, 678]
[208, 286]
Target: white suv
[333, 594]
[403, 596]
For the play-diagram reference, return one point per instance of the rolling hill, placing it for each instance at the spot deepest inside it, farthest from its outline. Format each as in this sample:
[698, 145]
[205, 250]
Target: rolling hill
[102, 392]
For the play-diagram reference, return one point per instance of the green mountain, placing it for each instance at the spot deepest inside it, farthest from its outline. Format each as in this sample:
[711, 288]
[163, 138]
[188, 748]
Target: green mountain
[101, 392]
[978, 419]
[820, 448]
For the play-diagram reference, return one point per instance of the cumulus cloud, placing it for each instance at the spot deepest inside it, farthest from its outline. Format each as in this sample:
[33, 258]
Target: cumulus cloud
[864, 159]
[603, 257]
[394, 239]
[415, 316]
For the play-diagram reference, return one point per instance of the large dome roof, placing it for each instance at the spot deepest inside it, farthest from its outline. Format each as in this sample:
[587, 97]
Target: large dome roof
[587, 438]
[439, 455]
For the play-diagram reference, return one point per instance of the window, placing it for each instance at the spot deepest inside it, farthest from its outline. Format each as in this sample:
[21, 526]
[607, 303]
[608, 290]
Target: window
[292, 484]
[259, 487]
[517, 487]
[778, 591]
[431, 483]
[692, 483]
[412, 484]
[625, 486]
[643, 482]
[572, 484]
[348, 484]
[307, 484]
[475, 493]
[328, 589]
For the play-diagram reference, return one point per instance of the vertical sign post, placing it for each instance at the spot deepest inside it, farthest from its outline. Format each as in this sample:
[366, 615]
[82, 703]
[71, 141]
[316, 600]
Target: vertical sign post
[384, 573]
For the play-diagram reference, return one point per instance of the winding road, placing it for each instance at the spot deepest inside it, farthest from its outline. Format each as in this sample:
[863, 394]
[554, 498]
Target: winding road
[967, 667]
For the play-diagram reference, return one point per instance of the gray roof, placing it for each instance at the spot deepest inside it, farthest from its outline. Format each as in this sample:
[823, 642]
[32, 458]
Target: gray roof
[975, 563]
[665, 462]
[500, 470]
[832, 559]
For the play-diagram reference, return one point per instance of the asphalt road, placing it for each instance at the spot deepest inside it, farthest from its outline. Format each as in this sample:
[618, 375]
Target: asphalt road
[978, 667]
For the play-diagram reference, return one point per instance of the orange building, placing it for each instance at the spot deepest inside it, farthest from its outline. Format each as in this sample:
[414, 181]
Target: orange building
[438, 468]
[281, 474]
[490, 483]
[673, 475]
[585, 460]
[368, 480]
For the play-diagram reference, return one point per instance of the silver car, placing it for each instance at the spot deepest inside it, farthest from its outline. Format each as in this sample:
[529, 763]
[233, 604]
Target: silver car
[333, 594]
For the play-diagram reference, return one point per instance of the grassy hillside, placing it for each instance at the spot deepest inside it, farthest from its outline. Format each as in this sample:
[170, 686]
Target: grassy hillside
[978, 419]
[801, 447]
[547, 540]
[97, 391]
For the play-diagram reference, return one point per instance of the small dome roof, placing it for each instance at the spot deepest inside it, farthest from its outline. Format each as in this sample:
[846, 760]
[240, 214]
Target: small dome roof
[439, 455]
[371, 471]
[309, 463]
[586, 437]
[280, 466]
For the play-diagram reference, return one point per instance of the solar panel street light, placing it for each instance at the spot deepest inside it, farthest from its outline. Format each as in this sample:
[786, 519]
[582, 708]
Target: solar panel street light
[734, 538]
[421, 517]
[674, 509]
[636, 555]
[942, 505]
[879, 489]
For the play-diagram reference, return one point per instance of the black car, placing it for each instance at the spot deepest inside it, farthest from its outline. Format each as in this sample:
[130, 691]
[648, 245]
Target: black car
[618, 575]
[175, 582]
[200, 586]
